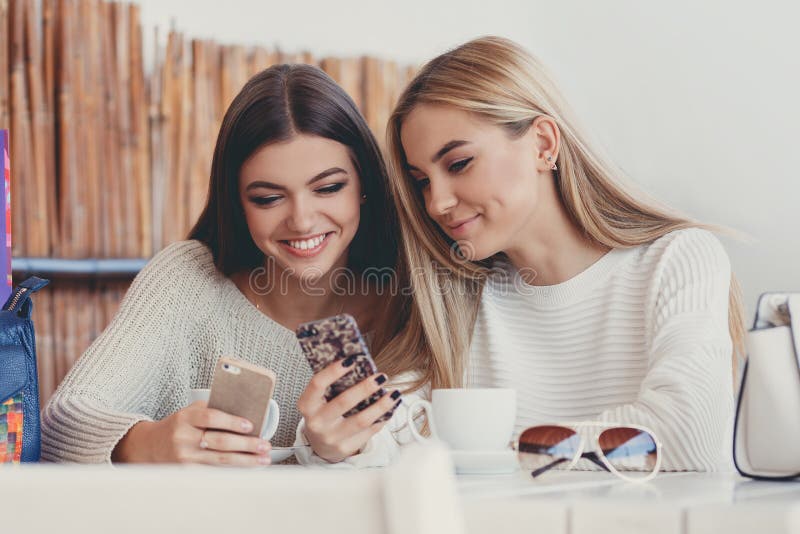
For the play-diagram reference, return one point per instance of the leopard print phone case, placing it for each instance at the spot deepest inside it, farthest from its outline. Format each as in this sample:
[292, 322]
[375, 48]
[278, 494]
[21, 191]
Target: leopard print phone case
[333, 339]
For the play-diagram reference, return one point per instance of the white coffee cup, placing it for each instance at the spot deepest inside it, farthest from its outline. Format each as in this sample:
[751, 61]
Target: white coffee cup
[270, 423]
[468, 419]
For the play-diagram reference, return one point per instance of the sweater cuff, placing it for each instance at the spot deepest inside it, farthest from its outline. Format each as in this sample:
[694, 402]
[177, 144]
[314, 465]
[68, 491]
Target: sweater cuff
[81, 430]
[379, 451]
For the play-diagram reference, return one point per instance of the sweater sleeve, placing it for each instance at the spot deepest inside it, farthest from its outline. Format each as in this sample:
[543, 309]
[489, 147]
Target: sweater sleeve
[381, 449]
[686, 397]
[122, 376]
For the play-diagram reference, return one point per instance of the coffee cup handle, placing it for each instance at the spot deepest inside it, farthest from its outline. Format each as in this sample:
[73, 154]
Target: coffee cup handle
[271, 422]
[427, 407]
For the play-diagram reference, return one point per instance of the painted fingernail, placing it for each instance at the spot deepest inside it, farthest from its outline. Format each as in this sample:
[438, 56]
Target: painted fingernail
[395, 394]
[264, 460]
[350, 360]
[398, 403]
[247, 426]
[381, 379]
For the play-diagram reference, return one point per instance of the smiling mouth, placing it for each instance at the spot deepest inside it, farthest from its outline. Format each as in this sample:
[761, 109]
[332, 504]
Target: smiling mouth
[461, 223]
[306, 247]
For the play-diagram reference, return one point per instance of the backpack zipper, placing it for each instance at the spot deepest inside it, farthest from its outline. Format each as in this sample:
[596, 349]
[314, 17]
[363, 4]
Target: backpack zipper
[16, 298]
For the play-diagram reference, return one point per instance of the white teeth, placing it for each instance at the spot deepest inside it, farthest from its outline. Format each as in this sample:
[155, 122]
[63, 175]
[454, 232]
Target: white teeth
[308, 243]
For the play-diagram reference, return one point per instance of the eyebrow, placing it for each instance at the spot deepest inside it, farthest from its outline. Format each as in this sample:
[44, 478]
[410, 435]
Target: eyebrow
[324, 174]
[444, 150]
[447, 148]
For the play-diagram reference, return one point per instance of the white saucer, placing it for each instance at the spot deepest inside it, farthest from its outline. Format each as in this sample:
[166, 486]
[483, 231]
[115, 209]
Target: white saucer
[485, 462]
[279, 454]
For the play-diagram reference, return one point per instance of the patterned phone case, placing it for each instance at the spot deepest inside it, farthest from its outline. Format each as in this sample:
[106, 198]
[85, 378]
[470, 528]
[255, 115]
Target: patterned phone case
[335, 338]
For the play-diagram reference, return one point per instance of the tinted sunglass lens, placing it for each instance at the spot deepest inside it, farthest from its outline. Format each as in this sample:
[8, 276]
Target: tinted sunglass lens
[544, 447]
[629, 450]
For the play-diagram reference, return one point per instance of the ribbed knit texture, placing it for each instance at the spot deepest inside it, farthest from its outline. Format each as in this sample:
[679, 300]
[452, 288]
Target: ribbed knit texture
[640, 337]
[178, 317]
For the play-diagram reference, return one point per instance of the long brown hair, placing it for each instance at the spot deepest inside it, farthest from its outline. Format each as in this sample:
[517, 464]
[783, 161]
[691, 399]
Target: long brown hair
[273, 106]
[500, 82]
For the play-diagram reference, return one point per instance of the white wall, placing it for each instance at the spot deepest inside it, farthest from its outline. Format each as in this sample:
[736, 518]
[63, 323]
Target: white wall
[698, 101]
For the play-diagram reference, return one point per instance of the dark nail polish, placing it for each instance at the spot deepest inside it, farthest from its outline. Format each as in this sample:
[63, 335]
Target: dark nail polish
[395, 394]
[381, 379]
[398, 403]
[350, 360]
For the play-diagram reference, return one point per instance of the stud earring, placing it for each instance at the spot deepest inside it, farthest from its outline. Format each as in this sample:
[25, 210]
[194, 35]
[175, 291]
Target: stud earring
[552, 163]
[364, 196]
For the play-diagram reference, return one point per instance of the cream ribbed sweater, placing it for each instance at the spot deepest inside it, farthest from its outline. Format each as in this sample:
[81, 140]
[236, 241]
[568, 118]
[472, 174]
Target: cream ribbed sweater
[178, 317]
[641, 336]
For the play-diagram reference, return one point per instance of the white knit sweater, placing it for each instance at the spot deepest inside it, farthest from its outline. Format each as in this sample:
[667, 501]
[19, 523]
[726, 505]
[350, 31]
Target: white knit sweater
[178, 317]
[641, 336]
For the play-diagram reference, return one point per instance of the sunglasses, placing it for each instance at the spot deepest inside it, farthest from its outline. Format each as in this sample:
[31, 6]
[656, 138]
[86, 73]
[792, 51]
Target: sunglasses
[631, 452]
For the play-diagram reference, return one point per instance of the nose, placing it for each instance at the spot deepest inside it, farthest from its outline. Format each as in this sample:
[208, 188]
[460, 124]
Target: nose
[301, 217]
[440, 198]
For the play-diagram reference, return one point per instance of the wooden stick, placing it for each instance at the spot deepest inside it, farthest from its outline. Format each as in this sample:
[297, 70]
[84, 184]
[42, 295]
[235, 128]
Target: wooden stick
[158, 161]
[215, 69]
[127, 182]
[139, 138]
[373, 92]
[170, 135]
[109, 203]
[202, 135]
[38, 224]
[261, 59]
[43, 319]
[19, 134]
[67, 140]
[71, 304]
[60, 366]
[347, 73]
[84, 238]
[93, 93]
[234, 73]
[185, 104]
[51, 189]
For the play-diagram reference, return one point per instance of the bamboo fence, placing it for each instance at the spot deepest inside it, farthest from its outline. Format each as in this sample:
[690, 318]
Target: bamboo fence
[111, 159]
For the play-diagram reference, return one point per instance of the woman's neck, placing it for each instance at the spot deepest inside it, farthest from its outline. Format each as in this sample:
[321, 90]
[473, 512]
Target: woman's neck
[551, 248]
[290, 301]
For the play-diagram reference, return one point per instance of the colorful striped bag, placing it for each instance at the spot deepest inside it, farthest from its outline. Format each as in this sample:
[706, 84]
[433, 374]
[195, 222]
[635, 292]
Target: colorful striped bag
[19, 384]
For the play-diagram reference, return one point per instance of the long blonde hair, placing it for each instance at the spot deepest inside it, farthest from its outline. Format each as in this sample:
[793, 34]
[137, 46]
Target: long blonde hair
[500, 82]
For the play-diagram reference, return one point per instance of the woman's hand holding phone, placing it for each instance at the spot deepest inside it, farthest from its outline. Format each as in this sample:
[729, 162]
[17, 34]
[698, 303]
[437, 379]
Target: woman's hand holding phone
[332, 436]
[195, 434]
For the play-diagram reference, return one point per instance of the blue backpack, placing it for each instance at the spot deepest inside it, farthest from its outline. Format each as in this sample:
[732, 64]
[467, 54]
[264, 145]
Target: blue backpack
[19, 384]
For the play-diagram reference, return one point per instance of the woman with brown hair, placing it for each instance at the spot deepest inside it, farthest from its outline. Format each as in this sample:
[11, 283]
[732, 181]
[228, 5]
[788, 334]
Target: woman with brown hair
[298, 199]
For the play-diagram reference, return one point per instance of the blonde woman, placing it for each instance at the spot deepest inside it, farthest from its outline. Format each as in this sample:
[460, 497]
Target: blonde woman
[536, 269]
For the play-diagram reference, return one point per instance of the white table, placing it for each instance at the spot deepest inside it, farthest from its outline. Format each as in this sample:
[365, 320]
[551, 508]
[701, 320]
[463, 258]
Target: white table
[418, 495]
[598, 502]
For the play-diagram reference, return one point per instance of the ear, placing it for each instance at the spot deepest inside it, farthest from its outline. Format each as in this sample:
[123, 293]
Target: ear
[547, 141]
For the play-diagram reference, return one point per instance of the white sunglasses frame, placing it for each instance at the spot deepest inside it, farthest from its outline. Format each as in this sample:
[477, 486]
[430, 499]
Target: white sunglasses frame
[601, 425]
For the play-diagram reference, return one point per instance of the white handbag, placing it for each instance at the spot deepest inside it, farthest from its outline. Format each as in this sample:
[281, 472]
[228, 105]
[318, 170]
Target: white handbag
[766, 441]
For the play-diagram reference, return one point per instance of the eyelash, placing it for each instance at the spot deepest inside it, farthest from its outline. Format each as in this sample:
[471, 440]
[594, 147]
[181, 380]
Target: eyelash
[421, 184]
[324, 190]
[459, 165]
[454, 168]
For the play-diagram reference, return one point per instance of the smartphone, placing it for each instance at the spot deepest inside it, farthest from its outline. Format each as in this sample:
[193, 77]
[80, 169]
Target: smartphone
[243, 389]
[333, 339]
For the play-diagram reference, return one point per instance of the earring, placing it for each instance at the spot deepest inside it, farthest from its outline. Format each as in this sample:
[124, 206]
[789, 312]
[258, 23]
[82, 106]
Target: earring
[364, 196]
[552, 163]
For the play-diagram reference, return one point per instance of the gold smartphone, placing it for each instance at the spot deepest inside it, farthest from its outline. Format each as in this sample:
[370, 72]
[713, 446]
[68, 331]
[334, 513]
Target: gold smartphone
[243, 389]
